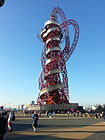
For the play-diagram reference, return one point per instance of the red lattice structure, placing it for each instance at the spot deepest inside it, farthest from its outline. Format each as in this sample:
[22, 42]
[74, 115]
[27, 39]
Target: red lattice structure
[53, 81]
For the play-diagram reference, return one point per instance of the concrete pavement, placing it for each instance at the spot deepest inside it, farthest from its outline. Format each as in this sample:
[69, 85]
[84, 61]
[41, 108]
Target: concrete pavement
[60, 128]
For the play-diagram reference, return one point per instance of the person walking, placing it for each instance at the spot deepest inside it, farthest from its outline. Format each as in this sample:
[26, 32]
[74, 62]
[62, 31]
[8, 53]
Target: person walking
[10, 117]
[35, 118]
[3, 124]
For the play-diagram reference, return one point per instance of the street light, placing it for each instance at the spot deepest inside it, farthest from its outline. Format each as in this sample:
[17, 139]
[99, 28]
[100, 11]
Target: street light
[2, 2]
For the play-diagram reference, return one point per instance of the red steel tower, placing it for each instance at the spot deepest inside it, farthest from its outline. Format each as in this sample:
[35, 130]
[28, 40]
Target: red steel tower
[53, 81]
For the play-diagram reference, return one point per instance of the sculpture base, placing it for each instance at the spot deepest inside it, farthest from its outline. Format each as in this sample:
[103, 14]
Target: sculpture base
[54, 107]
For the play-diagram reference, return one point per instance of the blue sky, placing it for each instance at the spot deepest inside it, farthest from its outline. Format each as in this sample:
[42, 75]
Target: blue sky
[20, 50]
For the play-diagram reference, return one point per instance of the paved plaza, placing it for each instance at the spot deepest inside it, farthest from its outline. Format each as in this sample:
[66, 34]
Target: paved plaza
[62, 127]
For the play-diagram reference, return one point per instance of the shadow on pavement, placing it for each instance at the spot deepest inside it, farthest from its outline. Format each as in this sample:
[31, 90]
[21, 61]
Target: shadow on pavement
[72, 131]
[35, 137]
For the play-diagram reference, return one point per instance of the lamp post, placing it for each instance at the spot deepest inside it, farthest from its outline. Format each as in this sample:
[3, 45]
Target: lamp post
[2, 3]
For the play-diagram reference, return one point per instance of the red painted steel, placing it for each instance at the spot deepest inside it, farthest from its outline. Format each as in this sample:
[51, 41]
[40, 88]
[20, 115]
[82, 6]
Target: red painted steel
[53, 81]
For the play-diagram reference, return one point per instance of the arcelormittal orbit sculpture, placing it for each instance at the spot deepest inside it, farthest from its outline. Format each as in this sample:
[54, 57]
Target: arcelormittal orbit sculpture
[53, 81]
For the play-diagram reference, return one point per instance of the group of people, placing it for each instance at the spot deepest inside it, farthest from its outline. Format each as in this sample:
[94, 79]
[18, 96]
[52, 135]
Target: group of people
[6, 121]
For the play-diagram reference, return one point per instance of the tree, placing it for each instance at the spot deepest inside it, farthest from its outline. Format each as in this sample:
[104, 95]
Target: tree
[99, 109]
[104, 107]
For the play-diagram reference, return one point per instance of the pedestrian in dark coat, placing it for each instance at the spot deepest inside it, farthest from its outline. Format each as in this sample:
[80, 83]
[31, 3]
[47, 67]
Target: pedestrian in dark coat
[35, 118]
[3, 124]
